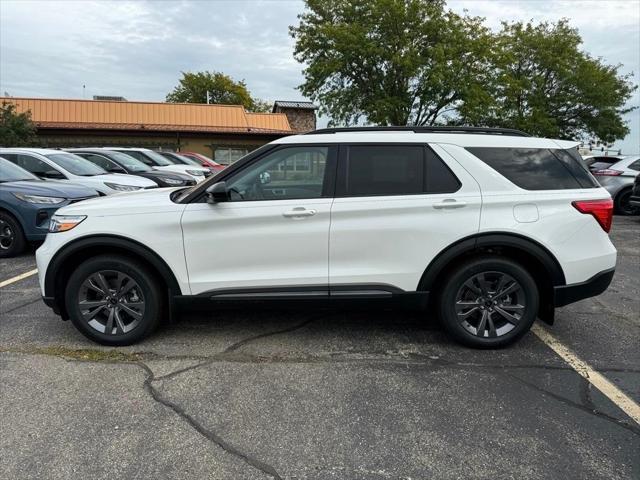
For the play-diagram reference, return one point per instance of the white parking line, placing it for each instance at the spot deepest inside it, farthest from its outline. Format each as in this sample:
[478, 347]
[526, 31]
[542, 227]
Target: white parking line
[4, 283]
[617, 396]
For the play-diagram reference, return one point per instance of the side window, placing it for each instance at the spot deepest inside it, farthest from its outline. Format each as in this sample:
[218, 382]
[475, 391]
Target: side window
[287, 173]
[138, 156]
[371, 170]
[528, 168]
[635, 166]
[438, 177]
[31, 164]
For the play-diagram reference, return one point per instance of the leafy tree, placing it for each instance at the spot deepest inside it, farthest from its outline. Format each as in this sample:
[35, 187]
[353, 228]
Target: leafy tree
[222, 89]
[392, 62]
[545, 85]
[16, 129]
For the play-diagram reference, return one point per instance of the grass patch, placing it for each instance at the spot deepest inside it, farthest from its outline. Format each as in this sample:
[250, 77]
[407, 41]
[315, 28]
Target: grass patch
[86, 354]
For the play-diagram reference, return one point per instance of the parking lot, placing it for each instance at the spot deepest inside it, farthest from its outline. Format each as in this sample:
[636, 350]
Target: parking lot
[319, 394]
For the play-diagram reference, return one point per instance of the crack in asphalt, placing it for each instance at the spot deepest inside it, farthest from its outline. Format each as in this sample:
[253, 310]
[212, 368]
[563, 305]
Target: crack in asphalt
[31, 302]
[205, 432]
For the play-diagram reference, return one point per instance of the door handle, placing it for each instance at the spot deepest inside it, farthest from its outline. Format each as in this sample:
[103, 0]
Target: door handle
[299, 212]
[449, 203]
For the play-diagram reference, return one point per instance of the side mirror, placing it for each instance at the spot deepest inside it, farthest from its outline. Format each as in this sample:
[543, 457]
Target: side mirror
[217, 193]
[52, 174]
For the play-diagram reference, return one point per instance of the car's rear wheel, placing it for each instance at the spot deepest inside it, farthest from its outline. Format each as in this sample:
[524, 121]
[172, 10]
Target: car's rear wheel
[488, 302]
[114, 300]
[623, 205]
[12, 240]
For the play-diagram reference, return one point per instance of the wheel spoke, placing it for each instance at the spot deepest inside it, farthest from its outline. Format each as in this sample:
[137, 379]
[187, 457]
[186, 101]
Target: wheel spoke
[513, 287]
[128, 285]
[482, 325]
[465, 315]
[92, 303]
[108, 328]
[507, 316]
[130, 311]
[513, 308]
[102, 282]
[492, 327]
[91, 314]
[119, 322]
[482, 282]
[469, 284]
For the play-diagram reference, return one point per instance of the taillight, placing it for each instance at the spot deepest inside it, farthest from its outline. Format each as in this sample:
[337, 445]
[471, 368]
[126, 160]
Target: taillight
[607, 172]
[602, 211]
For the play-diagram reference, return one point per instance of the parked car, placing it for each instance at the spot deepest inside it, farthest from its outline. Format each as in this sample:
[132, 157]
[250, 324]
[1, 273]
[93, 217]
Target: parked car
[204, 161]
[618, 177]
[589, 160]
[28, 203]
[158, 162]
[116, 162]
[178, 159]
[634, 200]
[64, 166]
[422, 216]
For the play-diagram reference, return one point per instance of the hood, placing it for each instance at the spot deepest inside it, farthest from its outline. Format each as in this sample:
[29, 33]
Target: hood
[129, 203]
[49, 189]
[181, 168]
[119, 178]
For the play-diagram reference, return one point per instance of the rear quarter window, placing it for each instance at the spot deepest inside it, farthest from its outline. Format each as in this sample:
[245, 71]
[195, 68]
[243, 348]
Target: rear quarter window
[537, 168]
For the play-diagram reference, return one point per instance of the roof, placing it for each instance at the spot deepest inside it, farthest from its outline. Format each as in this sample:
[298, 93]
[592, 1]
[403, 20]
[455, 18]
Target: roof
[289, 104]
[459, 139]
[148, 116]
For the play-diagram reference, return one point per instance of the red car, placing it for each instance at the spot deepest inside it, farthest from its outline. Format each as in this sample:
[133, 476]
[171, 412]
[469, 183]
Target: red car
[205, 161]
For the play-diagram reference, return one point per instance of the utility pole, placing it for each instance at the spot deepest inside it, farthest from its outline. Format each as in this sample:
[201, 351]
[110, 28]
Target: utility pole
[208, 97]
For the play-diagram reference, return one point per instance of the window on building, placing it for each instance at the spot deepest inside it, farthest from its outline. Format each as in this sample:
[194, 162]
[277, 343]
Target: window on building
[227, 156]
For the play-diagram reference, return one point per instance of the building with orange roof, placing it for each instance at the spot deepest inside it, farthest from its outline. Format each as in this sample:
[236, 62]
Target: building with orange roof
[224, 132]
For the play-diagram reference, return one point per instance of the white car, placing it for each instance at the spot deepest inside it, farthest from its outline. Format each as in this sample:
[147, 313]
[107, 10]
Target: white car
[58, 165]
[489, 228]
[158, 162]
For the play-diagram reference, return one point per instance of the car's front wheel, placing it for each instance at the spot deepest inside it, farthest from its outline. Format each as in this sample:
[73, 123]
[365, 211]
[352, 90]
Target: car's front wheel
[623, 204]
[114, 300]
[488, 302]
[12, 241]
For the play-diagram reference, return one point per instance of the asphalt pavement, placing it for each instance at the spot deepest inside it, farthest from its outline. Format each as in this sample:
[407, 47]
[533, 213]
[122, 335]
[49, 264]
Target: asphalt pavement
[319, 395]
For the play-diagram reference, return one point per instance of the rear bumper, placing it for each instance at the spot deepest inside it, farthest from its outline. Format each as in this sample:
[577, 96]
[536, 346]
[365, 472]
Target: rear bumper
[566, 294]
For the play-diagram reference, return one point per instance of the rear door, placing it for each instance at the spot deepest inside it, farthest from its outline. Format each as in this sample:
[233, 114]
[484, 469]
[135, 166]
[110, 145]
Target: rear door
[397, 206]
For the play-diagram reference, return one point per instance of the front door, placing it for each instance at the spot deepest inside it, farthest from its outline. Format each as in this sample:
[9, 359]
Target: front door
[272, 234]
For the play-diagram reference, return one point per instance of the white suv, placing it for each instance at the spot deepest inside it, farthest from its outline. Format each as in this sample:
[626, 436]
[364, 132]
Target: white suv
[490, 228]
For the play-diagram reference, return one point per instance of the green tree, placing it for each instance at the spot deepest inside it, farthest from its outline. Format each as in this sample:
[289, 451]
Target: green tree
[16, 129]
[193, 88]
[545, 85]
[392, 62]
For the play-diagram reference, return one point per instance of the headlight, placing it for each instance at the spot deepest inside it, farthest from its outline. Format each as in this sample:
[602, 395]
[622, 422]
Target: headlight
[196, 173]
[122, 188]
[172, 181]
[38, 199]
[62, 223]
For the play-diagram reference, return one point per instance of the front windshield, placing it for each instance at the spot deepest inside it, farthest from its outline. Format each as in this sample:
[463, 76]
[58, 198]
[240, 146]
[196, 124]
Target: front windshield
[76, 165]
[157, 158]
[129, 162]
[187, 160]
[13, 173]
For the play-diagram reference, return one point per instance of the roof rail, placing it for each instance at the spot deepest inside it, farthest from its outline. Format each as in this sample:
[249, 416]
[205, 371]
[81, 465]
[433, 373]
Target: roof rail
[436, 129]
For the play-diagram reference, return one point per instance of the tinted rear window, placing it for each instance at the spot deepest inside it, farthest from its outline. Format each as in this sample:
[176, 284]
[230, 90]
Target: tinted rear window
[536, 168]
[384, 170]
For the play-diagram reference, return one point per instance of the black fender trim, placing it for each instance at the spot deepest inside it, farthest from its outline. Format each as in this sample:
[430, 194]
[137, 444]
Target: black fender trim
[491, 239]
[135, 248]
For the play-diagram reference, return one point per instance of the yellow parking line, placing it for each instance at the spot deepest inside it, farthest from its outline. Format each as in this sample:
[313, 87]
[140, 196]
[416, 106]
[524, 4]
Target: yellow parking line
[617, 396]
[4, 283]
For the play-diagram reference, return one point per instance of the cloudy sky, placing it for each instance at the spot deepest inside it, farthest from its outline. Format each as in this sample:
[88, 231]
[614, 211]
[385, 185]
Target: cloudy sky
[138, 48]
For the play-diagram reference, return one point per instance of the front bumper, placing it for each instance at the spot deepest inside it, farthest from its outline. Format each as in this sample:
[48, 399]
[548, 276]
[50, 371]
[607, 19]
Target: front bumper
[566, 294]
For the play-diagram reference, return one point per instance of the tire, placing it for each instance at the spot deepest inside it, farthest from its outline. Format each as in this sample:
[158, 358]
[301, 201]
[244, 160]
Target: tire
[623, 207]
[132, 306]
[12, 240]
[463, 302]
